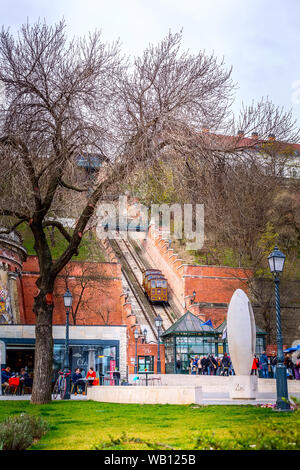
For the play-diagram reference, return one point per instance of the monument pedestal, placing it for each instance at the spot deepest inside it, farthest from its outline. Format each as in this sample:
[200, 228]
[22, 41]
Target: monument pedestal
[243, 387]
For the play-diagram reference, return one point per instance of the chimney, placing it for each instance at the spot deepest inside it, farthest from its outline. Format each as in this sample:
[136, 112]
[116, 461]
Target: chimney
[240, 133]
[271, 137]
[254, 135]
[205, 129]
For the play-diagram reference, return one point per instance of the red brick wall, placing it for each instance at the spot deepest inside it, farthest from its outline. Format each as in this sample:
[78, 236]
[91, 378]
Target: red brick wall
[144, 350]
[212, 284]
[101, 301]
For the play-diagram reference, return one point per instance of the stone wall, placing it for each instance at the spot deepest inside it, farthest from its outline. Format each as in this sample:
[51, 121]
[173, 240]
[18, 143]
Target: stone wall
[214, 285]
[101, 298]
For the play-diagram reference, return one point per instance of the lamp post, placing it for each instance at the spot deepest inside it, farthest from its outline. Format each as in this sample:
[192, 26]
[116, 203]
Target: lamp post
[276, 263]
[68, 304]
[145, 334]
[158, 324]
[136, 337]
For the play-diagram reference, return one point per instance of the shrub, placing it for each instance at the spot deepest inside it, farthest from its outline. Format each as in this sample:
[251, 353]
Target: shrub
[122, 442]
[19, 432]
[270, 436]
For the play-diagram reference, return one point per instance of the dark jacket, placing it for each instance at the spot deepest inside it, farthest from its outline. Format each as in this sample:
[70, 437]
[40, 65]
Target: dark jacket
[226, 361]
[5, 376]
[263, 360]
[273, 361]
[211, 361]
[204, 362]
[76, 377]
[24, 377]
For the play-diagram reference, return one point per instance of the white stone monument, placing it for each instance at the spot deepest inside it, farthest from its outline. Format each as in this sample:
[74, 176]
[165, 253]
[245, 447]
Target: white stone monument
[241, 335]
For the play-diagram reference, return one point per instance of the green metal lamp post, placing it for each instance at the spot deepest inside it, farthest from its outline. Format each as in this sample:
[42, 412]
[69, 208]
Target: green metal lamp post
[158, 324]
[68, 299]
[136, 337]
[276, 263]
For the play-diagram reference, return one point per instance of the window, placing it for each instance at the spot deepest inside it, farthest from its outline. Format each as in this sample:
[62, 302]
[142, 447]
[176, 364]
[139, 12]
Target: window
[145, 363]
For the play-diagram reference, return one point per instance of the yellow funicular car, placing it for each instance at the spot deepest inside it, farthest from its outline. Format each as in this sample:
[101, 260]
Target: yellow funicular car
[155, 285]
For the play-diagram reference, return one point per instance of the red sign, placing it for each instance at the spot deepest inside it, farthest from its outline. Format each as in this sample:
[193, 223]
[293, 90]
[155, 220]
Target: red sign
[112, 366]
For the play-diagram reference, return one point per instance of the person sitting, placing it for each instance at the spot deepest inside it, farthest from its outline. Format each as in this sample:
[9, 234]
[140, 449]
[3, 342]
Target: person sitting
[5, 376]
[91, 376]
[78, 383]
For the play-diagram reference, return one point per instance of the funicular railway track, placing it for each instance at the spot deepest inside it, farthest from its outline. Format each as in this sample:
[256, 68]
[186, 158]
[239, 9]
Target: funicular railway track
[132, 268]
[161, 307]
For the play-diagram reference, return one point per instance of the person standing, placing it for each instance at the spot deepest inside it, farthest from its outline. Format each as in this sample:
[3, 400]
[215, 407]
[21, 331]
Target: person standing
[297, 369]
[289, 367]
[225, 364]
[263, 361]
[255, 365]
[273, 365]
[219, 366]
[204, 365]
[199, 366]
[195, 365]
[178, 365]
[212, 364]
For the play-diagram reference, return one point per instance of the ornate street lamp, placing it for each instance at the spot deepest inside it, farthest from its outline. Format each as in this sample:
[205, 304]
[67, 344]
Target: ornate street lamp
[276, 263]
[158, 324]
[145, 334]
[136, 337]
[68, 299]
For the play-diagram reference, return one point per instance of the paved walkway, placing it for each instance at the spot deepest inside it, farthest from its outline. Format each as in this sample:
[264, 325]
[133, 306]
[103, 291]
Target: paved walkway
[208, 399]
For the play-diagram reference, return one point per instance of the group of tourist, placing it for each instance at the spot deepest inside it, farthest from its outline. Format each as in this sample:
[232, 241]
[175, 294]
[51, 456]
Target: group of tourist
[267, 366]
[211, 365]
[263, 366]
[14, 381]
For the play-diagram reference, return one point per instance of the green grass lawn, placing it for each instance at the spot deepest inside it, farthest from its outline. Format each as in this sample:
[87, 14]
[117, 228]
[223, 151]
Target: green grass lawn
[83, 425]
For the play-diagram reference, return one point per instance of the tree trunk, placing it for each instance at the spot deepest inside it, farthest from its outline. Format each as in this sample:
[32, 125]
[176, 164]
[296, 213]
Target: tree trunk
[42, 382]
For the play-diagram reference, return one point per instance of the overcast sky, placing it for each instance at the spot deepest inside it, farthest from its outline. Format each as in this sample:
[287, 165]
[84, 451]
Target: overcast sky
[259, 38]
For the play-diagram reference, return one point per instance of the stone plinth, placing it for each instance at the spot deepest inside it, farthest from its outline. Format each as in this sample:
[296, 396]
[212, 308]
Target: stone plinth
[150, 395]
[243, 387]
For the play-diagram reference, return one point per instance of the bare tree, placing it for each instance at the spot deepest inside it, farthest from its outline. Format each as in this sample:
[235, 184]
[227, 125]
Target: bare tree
[90, 278]
[58, 97]
[63, 99]
[105, 315]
